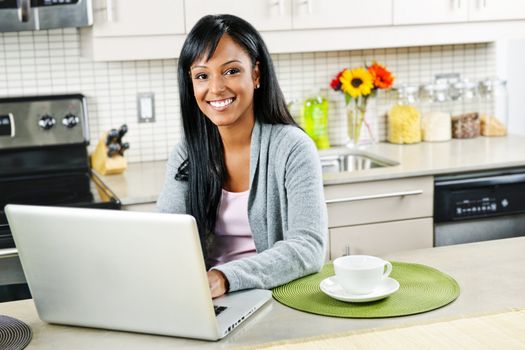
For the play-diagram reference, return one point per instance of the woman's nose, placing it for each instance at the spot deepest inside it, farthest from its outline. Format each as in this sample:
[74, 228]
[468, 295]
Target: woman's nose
[216, 84]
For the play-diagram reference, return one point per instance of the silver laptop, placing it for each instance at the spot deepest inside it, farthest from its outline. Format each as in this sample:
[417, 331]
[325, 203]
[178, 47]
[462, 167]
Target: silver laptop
[131, 271]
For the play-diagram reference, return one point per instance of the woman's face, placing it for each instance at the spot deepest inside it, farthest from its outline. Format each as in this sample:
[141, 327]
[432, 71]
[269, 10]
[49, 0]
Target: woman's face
[224, 85]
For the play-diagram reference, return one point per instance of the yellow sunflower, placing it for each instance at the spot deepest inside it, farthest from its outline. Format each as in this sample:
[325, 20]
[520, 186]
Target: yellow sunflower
[356, 82]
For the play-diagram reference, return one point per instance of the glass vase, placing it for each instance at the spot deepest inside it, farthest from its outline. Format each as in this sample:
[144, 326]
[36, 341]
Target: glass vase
[358, 125]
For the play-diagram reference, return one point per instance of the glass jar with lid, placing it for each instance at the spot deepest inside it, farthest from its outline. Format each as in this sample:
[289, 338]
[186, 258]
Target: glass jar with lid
[493, 107]
[465, 110]
[404, 117]
[436, 110]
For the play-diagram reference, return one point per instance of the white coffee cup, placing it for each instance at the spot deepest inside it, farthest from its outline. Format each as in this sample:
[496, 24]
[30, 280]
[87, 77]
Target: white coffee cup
[361, 274]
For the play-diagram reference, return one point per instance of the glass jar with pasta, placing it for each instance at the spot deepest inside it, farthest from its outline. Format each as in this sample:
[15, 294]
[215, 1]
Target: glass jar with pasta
[494, 107]
[404, 117]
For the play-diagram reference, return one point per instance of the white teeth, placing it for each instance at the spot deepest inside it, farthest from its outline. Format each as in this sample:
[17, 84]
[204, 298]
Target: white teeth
[221, 103]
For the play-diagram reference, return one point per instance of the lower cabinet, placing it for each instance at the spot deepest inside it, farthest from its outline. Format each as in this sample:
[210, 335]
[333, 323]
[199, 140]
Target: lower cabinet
[379, 217]
[381, 238]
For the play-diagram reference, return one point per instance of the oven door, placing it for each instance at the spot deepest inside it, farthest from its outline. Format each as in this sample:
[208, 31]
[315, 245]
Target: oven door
[69, 189]
[13, 284]
[74, 189]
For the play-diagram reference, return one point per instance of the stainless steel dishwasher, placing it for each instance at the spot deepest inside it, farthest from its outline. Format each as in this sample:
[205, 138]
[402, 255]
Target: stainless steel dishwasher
[479, 206]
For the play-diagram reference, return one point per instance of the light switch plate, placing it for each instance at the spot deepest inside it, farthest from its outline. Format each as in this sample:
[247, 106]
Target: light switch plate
[146, 107]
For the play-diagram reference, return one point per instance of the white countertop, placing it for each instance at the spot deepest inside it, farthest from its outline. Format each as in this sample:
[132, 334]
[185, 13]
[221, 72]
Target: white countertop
[142, 182]
[437, 158]
[490, 275]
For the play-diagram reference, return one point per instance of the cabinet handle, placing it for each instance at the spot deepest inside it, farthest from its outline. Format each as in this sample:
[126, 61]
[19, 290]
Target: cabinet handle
[109, 11]
[279, 3]
[24, 10]
[8, 252]
[374, 196]
[308, 3]
[481, 3]
[459, 4]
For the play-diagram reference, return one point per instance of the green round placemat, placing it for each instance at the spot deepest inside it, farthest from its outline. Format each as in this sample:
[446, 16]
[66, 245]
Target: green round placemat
[422, 288]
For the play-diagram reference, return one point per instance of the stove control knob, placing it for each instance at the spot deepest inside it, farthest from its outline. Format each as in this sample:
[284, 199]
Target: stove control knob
[70, 120]
[46, 122]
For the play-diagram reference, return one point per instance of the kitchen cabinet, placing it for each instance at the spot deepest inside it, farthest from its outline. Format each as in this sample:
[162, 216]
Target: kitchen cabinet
[450, 11]
[429, 11]
[493, 10]
[134, 18]
[124, 29]
[311, 14]
[131, 30]
[381, 238]
[379, 217]
[268, 15]
[344, 25]
[264, 15]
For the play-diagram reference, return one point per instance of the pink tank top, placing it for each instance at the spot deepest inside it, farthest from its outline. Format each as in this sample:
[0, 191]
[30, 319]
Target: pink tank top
[233, 235]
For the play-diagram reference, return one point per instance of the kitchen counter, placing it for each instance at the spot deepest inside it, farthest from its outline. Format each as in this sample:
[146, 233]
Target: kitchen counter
[438, 158]
[490, 275]
[142, 182]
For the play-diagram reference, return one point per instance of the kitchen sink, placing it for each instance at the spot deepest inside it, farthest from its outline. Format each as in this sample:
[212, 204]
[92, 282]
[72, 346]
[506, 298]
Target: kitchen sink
[344, 160]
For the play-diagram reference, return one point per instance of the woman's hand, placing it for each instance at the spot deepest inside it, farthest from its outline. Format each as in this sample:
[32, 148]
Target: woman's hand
[218, 283]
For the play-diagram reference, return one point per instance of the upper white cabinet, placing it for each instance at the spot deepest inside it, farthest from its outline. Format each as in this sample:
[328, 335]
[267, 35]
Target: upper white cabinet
[311, 14]
[130, 18]
[493, 10]
[429, 11]
[134, 30]
[450, 11]
[156, 29]
[270, 15]
[262, 14]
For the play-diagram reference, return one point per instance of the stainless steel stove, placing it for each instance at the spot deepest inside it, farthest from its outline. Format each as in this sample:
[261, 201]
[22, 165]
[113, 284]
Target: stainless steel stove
[43, 160]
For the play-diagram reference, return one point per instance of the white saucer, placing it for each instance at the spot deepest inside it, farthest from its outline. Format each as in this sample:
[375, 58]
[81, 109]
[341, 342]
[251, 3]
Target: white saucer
[330, 287]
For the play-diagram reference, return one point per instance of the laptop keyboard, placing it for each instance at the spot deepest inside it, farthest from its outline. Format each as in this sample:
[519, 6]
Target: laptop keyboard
[219, 309]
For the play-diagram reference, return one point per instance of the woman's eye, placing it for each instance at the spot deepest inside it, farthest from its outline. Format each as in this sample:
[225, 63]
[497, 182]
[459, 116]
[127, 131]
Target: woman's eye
[232, 71]
[201, 76]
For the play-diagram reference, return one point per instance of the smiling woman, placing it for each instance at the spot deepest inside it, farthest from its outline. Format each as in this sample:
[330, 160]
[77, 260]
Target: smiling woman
[247, 173]
[224, 84]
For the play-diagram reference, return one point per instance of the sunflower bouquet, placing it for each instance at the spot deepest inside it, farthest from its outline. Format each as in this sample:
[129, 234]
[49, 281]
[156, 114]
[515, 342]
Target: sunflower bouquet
[358, 85]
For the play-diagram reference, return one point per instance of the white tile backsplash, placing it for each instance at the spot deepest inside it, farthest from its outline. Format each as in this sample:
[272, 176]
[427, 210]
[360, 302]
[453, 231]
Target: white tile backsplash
[49, 62]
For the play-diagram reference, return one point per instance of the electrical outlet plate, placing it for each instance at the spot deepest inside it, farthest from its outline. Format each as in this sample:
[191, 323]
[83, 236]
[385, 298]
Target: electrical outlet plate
[146, 107]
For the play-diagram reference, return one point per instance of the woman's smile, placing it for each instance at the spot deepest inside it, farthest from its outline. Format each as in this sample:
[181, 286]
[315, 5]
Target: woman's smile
[221, 105]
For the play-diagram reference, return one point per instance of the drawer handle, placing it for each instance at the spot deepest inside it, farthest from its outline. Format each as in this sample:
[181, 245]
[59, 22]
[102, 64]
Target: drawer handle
[374, 196]
[8, 252]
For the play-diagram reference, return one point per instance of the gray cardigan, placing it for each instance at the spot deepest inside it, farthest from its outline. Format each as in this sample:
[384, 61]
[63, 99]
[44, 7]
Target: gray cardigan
[286, 207]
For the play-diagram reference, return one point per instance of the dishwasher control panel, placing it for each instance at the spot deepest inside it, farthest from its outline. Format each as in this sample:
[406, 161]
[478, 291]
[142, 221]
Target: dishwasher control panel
[477, 207]
[463, 199]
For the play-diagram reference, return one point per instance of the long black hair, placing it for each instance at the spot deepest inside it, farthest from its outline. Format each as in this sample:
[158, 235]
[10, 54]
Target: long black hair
[204, 169]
